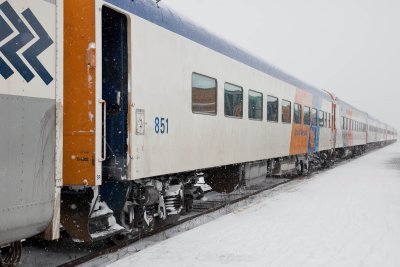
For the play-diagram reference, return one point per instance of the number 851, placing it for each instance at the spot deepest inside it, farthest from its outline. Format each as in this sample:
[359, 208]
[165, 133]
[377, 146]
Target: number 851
[161, 125]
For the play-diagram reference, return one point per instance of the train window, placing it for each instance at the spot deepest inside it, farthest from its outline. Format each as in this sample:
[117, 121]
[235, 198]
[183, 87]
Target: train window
[286, 111]
[272, 108]
[320, 118]
[329, 120]
[326, 119]
[233, 100]
[204, 94]
[255, 105]
[306, 115]
[314, 117]
[297, 113]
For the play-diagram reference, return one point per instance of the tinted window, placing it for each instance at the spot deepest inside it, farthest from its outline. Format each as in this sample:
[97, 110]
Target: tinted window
[297, 113]
[314, 117]
[320, 118]
[272, 108]
[233, 100]
[255, 105]
[306, 115]
[329, 120]
[204, 94]
[286, 111]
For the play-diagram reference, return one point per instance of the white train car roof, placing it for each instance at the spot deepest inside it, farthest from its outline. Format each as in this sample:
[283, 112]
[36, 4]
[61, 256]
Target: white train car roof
[170, 20]
[370, 118]
[345, 104]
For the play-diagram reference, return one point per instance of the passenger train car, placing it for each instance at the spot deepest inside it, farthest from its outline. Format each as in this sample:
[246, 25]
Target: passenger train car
[110, 109]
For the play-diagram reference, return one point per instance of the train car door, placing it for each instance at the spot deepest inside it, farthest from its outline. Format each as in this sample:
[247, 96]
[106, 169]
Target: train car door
[115, 93]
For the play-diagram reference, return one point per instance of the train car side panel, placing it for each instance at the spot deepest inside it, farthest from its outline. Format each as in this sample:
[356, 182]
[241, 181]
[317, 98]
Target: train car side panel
[27, 116]
[220, 139]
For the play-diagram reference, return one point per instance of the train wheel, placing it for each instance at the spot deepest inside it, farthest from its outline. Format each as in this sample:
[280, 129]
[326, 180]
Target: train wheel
[127, 215]
[300, 169]
[13, 257]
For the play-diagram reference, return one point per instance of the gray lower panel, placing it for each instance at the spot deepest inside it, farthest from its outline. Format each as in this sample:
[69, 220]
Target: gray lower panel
[27, 148]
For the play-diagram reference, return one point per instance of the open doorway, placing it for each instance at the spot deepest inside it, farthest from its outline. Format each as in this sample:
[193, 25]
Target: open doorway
[115, 92]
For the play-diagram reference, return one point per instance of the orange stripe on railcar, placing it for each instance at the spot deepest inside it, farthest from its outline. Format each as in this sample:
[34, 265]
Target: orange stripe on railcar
[79, 93]
[300, 132]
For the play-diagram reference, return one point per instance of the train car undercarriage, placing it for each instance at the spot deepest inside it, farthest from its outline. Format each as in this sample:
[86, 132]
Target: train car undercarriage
[93, 213]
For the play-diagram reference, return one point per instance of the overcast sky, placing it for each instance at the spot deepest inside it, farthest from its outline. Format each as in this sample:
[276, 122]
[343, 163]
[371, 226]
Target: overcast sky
[348, 47]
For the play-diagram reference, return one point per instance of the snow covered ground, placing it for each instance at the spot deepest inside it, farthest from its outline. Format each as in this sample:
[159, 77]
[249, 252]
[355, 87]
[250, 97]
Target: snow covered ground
[346, 216]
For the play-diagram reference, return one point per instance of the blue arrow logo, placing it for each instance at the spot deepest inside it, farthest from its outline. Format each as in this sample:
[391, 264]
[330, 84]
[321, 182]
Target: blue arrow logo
[25, 36]
[5, 31]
